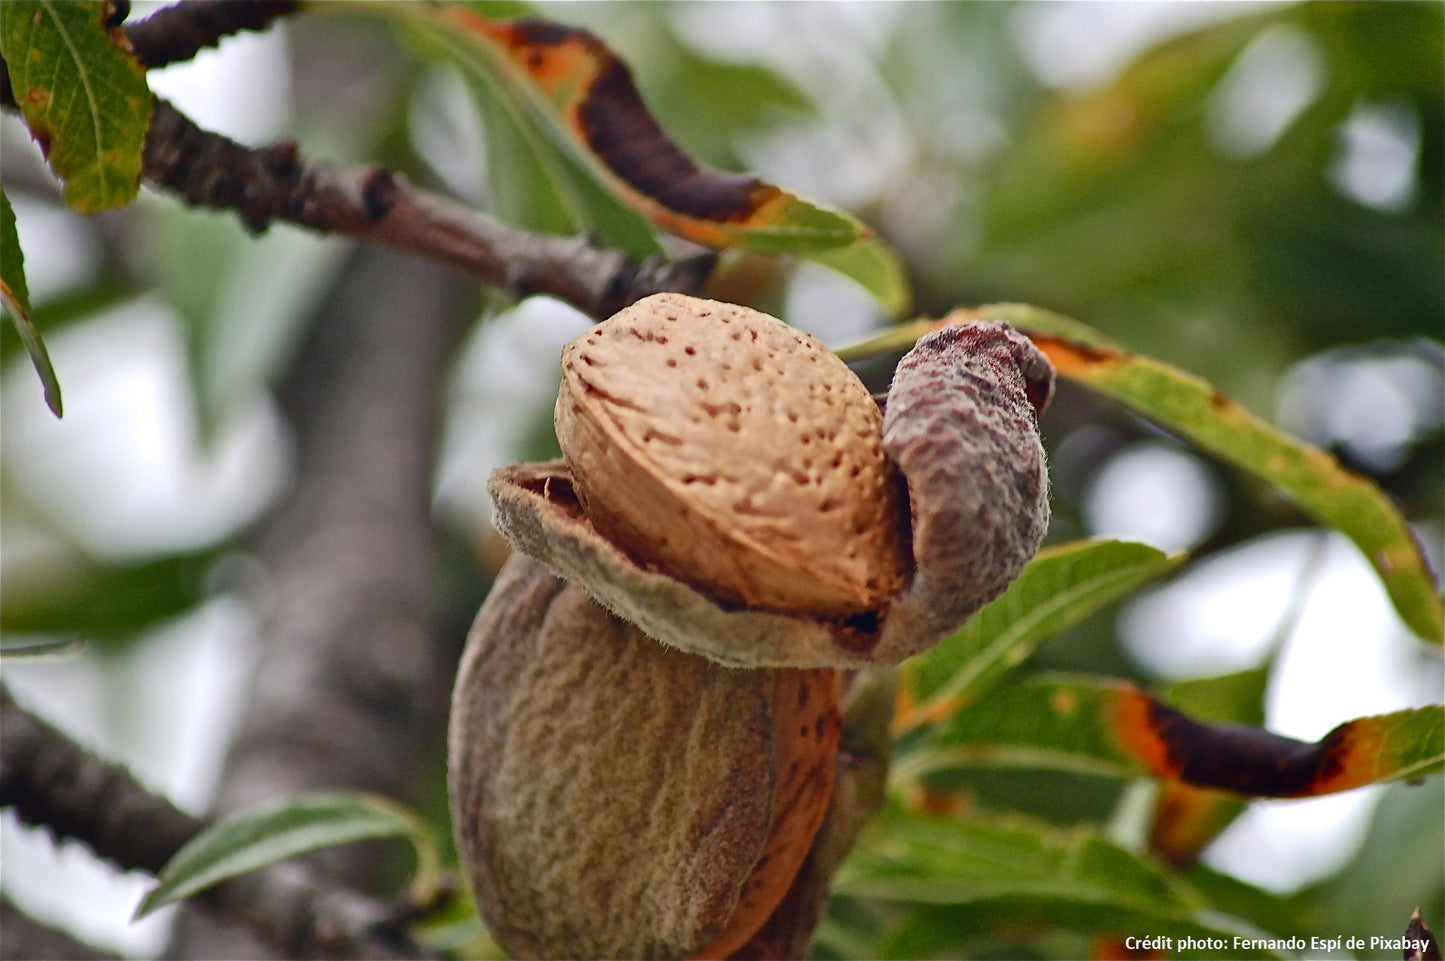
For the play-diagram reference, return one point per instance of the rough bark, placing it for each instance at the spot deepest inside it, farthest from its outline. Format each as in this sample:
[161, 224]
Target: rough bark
[350, 688]
[380, 206]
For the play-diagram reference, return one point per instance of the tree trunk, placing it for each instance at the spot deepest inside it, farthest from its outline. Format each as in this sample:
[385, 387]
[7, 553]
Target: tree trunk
[350, 690]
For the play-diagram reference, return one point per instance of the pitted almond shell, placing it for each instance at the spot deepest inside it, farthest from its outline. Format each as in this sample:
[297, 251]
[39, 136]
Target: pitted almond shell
[736, 453]
[962, 430]
[614, 798]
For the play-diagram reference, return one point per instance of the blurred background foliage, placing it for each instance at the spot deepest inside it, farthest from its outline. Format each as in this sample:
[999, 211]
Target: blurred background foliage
[1250, 192]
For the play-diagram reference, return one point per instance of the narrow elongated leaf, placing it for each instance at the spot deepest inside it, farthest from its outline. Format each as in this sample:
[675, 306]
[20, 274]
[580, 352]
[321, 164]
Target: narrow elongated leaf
[1313, 479]
[75, 594]
[55, 647]
[15, 296]
[593, 97]
[588, 94]
[1322, 488]
[1187, 818]
[1060, 587]
[1011, 877]
[873, 266]
[275, 832]
[1113, 729]
[12, 259]
[84, 98]
[535, 181]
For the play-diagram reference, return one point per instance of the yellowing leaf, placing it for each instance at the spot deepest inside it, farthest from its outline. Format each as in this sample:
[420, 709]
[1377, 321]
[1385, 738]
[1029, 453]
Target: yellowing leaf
[84, 98]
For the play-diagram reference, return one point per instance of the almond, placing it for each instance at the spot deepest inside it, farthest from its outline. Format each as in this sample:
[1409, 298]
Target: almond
[731, 491]
[735, 453]
[806, 727]
[617, 798]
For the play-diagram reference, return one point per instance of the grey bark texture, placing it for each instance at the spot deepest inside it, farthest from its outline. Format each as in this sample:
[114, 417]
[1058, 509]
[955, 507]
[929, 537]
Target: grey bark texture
[351, 687]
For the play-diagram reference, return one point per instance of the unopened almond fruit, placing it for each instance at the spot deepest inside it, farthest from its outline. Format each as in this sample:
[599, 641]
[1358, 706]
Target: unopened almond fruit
[805, 727]
[735, 453]
[615, 798]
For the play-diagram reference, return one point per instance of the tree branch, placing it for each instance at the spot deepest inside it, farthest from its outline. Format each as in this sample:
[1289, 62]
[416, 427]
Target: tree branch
[53, 783]
[371, 203]
[377, 205]
[182, 30]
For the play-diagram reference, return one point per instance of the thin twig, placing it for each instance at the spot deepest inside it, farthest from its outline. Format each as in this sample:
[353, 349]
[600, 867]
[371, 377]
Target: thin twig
[182, 30]
[377, 205]
[53, 783]
[266, 184]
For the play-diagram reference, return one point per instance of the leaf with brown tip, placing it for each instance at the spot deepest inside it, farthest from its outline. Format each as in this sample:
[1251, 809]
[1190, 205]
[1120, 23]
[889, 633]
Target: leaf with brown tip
[1213, 422]
[587, 94]
[1116, 730]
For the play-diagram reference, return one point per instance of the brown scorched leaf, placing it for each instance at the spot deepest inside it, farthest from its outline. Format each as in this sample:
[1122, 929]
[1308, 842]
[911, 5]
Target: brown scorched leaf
[589, 94]
[1113, 729]
[1424, 946]
[1186, 819]
[595, 98]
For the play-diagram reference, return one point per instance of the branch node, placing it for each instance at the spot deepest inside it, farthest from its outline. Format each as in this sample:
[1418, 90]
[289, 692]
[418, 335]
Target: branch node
[378, 193]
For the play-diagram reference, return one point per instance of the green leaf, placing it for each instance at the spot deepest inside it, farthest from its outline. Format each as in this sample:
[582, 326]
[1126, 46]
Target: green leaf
[274, 832]
[535, 182]
[1112, 729]
[597, 128]
[1059, 588]
[1237, 697]
[12, 259]
[875, 267]
[85, 99]
[1212, 422]
[55, 647]
[1013, 878]
[72, 593]
[15, 296]
[1313, 479]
